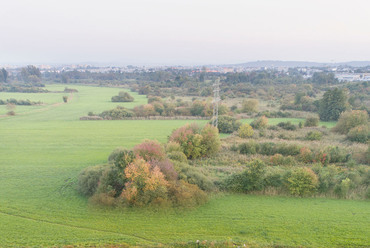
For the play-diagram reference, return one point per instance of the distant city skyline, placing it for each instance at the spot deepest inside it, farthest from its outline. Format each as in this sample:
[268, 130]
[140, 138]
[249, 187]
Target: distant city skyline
[183, 32]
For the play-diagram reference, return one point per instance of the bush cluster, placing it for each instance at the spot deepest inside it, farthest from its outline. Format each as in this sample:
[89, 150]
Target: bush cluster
[197, 142]
[311, 122]
[275, 114]
[245, 131]
[260, 123]
[359, 134]
[299, 181]
[153, 174]
[143, 177]
[19, 102]
[313, 135]
[287, 126]
[351, 119]
[269, 148]
[228, 124]
[118, 113]
[123, 97]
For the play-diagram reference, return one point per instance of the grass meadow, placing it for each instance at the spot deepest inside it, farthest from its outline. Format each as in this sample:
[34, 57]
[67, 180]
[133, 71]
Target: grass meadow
[43, 149]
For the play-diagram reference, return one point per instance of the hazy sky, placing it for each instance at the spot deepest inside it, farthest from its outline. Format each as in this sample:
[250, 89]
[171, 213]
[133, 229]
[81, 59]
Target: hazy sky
[183, 31]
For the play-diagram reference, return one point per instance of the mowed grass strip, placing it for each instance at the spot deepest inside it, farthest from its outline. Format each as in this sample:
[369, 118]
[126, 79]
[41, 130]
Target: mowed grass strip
[42, 153]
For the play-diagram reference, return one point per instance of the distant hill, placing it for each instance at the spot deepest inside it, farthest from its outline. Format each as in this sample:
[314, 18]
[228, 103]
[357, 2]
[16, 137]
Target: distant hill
[278, 63]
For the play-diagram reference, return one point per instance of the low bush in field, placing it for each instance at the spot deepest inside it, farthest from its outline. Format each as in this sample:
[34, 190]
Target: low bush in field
[145, 176]
[279, 159]
[359, 134]
[287, 126]
[250, 147]
[245, 131]
[351, 119]
[311, 122]
[249, 180]
[260, 123]
[305, 155]
[313, 135]
[123, 97]
[337, 155]
[88, 179]
[118, 113]
[269, 148]
[302, 182]
[18, 102]
[111, 181]
[227, 124]
[194, 175]
[196, 142]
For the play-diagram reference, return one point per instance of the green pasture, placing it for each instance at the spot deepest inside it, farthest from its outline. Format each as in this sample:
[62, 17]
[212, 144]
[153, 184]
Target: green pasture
[43, 148]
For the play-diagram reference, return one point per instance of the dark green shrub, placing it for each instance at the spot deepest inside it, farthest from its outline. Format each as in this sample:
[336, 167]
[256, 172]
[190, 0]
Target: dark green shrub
[311, 122]
[267, 148]
[359, 134]
[275, 128]
[118, 113]
[123, 97]
[273, 177]
[327, 177]
[193, 175]
[287, 126]
[288, 149]
[65, 99]
[112, 181]
[121, 157]
[313, 135]
[228, 124]
[302, 182]
[88, 180]
[333, 103]
[337, 155]
[367, 155]
[249, 180]
[250, 147]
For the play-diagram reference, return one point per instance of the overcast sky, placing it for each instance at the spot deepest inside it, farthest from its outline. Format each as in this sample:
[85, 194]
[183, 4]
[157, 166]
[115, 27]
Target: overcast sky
[183, 31]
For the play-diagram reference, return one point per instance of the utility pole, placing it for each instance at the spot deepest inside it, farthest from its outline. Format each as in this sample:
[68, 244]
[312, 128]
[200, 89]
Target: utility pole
[216, 100]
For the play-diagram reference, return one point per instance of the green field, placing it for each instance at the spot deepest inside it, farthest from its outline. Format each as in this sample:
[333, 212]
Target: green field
[43, 148]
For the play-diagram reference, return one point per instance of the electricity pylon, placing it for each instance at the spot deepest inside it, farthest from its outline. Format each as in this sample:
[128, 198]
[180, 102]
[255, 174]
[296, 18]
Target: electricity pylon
[216, 100]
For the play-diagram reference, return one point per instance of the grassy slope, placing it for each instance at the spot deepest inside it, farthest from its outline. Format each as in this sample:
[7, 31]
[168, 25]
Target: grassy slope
[42, 152]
